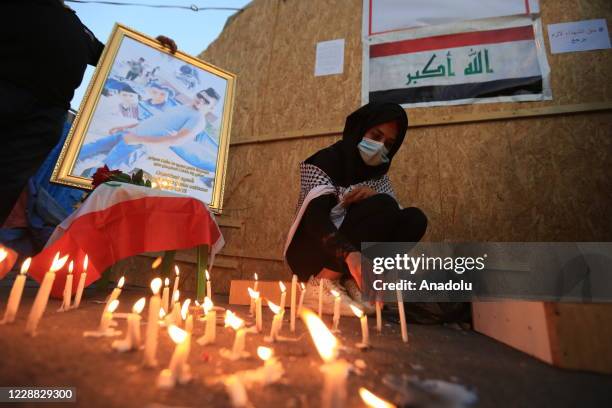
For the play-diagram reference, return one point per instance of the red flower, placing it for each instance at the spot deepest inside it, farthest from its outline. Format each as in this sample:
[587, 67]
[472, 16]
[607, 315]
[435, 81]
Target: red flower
[102, 175]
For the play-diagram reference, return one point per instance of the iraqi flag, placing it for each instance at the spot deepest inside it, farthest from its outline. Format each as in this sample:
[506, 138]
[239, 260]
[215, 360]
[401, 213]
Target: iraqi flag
[121, 220]
[491, 65]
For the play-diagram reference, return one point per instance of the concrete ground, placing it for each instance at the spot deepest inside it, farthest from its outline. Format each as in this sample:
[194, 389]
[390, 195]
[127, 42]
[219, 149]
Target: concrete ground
[496, 374]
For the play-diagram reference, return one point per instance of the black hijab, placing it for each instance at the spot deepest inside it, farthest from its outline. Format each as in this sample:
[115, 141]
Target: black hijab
[342, 161]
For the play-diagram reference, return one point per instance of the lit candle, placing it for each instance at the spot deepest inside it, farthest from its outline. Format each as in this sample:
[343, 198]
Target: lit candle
[117, 291]
[178, 370]
[372, 400]
[208, 289]
[211, 323]
[42, 296]
[402, 314]
[186, 316]
[302, 293]
[334, 371]
[256, 300]
[132, 337]
[336, 318]
[176, 279]
[283, 290]
[276, 322]
[293, 302]
[175, 316]
[81, 285]
[107, 318]
[236, 323]
[378, 316]
[365, 333]
[152, 330]
[67, 289]
[166, 295]
[255, 287]
[272, 370]
[16, 291]
[321, 298]
[162, 317]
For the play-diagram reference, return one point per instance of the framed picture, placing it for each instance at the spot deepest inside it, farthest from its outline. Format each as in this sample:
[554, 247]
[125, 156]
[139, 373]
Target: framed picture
[145, 108]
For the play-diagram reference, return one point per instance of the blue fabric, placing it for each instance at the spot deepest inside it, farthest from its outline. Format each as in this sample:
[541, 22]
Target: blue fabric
[47, 205]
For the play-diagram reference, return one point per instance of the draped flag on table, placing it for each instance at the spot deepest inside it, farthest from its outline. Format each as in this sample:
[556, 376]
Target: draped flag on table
[497, 59]
[121, 220]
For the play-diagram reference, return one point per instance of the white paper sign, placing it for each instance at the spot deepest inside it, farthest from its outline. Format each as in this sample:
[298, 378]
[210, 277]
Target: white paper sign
[330, 57]
[578, 36]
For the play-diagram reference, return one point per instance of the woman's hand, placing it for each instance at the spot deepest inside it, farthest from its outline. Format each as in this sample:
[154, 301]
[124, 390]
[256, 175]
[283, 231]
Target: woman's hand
[358, 194]
[353, 261]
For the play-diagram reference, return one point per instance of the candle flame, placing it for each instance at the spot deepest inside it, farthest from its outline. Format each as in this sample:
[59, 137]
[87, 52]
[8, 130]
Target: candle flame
[155, 285]
[274, 308]
[166, 282]
[282, 286]
[207, 275]
[139, 305]
[176, 270]
[302, 286]
[25, 266]
[121, 282]
[185, 309]
[208, 305]
[358, 312]
[325, 342]
[264, 353]
[175, 296]
[3, 254]
[156, 262]
[85, 263]
[176, 334]
[58, 263]
[70, 266]
[162, 313]
[334, 293]
[112, 306]
[255, 276]
[233, 321]
[372, 400]
[253, 294]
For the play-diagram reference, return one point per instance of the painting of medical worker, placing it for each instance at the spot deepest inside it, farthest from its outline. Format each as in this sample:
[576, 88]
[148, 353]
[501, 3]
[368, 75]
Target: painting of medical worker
[157, 113]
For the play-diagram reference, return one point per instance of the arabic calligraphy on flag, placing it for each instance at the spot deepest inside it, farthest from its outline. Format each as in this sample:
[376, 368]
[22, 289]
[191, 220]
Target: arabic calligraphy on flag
[488, 65]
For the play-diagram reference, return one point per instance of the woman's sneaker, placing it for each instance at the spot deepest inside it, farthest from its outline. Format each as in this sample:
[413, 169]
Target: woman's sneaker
[355, 294]
[311, 298]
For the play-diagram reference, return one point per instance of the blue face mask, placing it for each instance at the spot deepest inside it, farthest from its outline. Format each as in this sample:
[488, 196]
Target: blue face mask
[372, 152]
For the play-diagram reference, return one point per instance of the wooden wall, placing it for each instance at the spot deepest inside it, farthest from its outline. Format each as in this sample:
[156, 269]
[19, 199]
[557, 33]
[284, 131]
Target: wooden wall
[533, 178]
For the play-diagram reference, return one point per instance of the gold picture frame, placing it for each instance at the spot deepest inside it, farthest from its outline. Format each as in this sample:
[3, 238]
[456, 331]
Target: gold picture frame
[145, 108]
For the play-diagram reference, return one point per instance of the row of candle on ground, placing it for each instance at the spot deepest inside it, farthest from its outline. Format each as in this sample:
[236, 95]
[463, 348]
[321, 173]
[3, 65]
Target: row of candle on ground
[42, 296]
[45, 288]
[255, 305]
